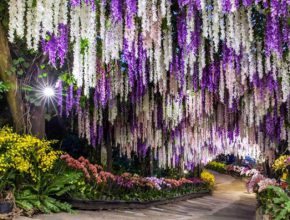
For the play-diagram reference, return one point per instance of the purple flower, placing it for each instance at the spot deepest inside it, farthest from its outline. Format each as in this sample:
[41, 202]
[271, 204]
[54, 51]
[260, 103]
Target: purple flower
[273, 35]
[56, 46]
[129, 57]
[62, 43]
[198, 4]
[131, 11]
[50, 47]
[182, 31]
[226, 5]
[183, 3]
[78, 98]
[78, 3]
[247, 3]
[116, 9]
[75, 3]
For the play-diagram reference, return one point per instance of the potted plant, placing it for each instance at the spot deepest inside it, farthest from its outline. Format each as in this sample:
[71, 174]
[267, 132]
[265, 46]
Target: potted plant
[6, 193]
[6, 202]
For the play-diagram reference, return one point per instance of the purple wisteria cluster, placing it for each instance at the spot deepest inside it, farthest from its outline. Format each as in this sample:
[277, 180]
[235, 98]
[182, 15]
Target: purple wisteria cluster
[56, 47]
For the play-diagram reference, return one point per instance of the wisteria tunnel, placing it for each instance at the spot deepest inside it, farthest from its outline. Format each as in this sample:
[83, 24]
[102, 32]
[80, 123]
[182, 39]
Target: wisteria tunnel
[137, 109]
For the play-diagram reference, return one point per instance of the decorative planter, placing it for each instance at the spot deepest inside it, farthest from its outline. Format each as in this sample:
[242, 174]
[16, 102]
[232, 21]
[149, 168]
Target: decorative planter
[6, 207]
[105, 205]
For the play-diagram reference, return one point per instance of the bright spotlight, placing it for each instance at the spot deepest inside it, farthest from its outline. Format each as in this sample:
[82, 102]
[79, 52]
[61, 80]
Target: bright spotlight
[185, 171]
[48, 92]
[44, 93]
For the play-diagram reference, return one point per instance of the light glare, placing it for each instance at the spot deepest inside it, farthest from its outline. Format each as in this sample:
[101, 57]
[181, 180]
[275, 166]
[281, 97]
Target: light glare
[48, 92]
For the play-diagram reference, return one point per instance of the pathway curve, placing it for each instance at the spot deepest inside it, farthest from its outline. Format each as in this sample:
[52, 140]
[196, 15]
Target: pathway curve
[229, 201]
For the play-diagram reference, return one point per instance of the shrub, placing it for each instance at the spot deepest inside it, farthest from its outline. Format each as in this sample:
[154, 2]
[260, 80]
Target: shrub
[281, 163]
[216, 166]
[28, 167]
[275, 202]
[25, 154]
[208, 177]
[282, 166]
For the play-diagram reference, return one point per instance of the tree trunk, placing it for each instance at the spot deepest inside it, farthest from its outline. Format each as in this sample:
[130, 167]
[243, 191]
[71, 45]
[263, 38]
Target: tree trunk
[38, 121]
[109, 150]
[14, 98]
[38, 112]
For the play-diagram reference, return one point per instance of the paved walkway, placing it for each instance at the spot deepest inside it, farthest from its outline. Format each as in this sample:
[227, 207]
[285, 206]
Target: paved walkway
[228, 202]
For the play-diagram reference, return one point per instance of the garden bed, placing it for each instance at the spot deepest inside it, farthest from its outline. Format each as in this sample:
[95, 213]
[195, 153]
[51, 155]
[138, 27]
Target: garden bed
[106, 205]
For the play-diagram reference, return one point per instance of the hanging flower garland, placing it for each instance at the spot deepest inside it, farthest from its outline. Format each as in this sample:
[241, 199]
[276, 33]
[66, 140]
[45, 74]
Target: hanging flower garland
[189, 79]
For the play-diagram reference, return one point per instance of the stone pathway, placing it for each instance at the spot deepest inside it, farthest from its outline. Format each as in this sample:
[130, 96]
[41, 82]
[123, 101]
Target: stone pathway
[229, 201]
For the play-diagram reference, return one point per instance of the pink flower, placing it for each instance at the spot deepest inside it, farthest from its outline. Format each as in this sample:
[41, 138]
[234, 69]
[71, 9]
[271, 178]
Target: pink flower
[256, 178]
[287, 161]
[263, 184]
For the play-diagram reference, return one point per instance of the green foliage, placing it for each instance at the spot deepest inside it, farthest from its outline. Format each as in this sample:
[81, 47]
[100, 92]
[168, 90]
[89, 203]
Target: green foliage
[84, 45]
[41, 196]
[33, 171]
[259, 23]
[89, 192]
[172, 173]
[42, 75]
[6, 183]
[4, 13]
[4, 87]
[275, 202]
[67, 78]
[216, 166]
[19, 66]
[32, 202]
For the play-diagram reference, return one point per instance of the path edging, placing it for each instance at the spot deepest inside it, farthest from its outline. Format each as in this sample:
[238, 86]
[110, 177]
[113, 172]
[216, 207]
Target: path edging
[105, 205]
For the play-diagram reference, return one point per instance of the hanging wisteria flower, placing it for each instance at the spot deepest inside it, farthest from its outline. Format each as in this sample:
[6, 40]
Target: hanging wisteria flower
[189, 79]
[116, 8]
[56, 46]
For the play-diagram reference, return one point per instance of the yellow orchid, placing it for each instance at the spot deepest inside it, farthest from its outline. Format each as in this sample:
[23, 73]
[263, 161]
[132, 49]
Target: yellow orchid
[25, 153]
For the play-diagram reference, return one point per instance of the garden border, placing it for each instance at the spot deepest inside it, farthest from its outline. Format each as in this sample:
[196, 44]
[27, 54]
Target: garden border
[106, 205]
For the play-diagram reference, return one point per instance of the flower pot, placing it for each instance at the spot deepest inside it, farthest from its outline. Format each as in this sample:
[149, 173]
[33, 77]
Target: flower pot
[6, 207]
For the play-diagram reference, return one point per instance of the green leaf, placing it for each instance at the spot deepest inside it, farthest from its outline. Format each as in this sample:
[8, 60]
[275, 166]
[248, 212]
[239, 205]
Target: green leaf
[21, 60]
[26, 65]
[20, 72]
[84, 45]
[63, 183]
[49, 203]
[42, 75]
[13, 69]
[23, 204]
[4, 87]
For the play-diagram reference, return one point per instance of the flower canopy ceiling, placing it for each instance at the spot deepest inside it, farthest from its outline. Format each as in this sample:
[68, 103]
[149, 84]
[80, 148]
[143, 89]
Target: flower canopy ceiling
[188, 78]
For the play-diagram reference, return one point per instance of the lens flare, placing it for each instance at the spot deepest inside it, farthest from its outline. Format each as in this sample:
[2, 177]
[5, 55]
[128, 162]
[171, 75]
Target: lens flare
[48, 92]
